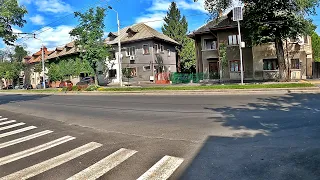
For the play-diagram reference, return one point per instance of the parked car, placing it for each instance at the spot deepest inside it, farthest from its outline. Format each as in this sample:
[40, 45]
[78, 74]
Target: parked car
[65, 84]
[9, 87]
[86, 81]
[40, 86]
[28, 86]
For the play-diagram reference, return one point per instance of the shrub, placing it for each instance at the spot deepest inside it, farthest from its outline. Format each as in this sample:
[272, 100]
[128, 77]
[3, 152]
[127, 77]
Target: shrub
[82, 87]
[92, 88]
[64, 89]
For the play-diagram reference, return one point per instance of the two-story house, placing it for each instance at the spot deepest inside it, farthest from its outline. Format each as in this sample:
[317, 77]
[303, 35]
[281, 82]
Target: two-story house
[145, 52]
[259, 62]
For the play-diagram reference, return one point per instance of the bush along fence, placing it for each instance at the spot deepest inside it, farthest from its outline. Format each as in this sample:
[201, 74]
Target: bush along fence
[182, 78]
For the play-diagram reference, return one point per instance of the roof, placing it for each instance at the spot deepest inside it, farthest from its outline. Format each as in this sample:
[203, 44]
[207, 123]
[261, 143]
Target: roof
[141, 32]
[37, 57]
[68, 49]
[222, 22]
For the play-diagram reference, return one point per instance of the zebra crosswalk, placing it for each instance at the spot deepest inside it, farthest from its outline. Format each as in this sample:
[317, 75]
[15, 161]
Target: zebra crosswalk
[161, 170]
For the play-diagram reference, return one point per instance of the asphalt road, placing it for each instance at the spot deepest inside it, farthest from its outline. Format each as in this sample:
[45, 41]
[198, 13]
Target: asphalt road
[181, 137]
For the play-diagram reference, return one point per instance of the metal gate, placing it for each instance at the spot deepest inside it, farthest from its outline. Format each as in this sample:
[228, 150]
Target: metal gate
[316, 70]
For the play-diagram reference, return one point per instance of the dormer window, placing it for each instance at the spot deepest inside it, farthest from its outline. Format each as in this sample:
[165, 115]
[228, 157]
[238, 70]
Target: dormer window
[112, 36]
[131, 32]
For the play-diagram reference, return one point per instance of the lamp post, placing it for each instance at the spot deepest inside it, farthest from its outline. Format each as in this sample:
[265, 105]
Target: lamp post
[43, 67]
[119, 46]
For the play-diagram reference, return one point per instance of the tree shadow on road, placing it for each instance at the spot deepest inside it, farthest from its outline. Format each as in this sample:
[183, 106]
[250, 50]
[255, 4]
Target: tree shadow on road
[271, 138]
[13, 98]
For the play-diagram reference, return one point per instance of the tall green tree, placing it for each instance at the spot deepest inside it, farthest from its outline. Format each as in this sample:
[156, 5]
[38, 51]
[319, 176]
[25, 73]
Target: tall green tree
[272, 21]
[176, 27]
[19, 53]
[89, 37]
[11, 14]
[9, 71]
[316, 46]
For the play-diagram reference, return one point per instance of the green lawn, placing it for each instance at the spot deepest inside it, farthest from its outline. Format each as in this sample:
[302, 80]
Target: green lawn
[179, 88]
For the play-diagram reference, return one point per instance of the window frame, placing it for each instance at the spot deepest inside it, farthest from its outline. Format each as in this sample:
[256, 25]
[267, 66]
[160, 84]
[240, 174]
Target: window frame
[239, 66]
[274, 69]
[129, 50]
[205, 44]
[298, 63]
[169, 52]
[161, 48]
[143, 50]
[115, 74]
[156, 47]
[145, 69]
[236, 36]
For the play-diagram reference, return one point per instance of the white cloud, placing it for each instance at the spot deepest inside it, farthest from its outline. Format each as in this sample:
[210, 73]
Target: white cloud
[159, 8]
[153, 20]
[53, 6]
[37, 20]
[51, 38]
[24, 1]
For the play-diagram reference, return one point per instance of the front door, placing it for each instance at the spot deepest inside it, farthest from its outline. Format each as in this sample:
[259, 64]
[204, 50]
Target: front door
[213, 70]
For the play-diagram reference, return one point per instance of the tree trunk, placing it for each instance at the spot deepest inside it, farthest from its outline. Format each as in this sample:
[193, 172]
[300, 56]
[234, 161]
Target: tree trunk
[281, 59]
[96, 79]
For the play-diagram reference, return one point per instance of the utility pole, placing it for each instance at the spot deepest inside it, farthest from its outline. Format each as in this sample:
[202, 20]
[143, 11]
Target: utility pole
[119, 47]
[43, 66]
[238, 16]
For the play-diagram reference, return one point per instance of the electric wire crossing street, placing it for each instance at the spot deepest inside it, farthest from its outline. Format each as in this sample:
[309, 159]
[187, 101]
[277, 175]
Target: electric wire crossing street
[163, 169]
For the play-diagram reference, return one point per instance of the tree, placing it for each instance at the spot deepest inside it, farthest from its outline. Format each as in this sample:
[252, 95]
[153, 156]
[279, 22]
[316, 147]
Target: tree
[19, 53]
[272, 21]
[11, 14]
[89, 37]
[9, 70]
[316, 46]
[176, 27]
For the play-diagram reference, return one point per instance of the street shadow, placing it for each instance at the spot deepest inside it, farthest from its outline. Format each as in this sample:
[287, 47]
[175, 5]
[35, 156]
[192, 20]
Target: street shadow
[13, 98]
[272, 138]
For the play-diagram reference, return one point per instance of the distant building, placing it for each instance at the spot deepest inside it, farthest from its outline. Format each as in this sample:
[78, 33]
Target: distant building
[260, 62]
[144, 51]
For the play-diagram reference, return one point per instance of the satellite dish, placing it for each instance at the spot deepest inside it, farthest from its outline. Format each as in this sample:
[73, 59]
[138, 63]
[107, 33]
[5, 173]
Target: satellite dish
[300, 40]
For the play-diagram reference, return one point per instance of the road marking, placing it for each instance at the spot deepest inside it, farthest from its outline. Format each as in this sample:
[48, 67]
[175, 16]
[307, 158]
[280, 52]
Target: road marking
[51, 163]
[11, 126]
[3, 119]
[34, 150]
[163, 169]
[7, 122]
[23, 139]
[100, 168]
[17, 131]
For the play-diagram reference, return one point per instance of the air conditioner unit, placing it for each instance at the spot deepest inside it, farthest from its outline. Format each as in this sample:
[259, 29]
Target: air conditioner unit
[132, 58]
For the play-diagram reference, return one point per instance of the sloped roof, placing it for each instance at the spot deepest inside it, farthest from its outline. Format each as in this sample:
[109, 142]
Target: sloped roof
[142, 30]
[222, 22]
[68, 49]
[37, 57]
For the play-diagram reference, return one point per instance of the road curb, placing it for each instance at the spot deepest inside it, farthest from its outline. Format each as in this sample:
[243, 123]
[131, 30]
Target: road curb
[183, 92]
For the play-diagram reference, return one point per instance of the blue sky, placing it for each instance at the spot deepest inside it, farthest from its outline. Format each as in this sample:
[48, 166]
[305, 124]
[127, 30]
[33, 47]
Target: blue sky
[56, 18]
[52, 16]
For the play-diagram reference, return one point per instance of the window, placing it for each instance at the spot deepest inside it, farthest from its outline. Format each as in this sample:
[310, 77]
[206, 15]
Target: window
[233, 40]
[270, 64]
[156, 48]
[130, 72]
[132, 61]
[145, 49]
[100, 72]
[33, 81]
[112, 73]
[161, 48]
[131, 51]
[146, 68]
[235, 66]
[295, 64]
[210, 44]
[169, 52]
[306, 39]
[113, 55]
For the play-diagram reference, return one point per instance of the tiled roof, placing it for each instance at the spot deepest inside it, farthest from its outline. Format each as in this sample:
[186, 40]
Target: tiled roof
[68, 49]
[140, 32]
[37, 57]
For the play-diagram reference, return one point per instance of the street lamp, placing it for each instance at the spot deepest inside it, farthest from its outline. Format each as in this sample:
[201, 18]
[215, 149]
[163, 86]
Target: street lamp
[119, 46]
[42, 57]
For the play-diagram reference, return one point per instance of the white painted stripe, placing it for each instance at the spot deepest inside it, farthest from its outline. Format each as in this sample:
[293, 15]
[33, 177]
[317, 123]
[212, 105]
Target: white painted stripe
[17, 131]
[3, 119]
[11, 126]
[51, 163]
[23, 139]
[100, 168]
[34, 150]
[7, 122]
[163, 169]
